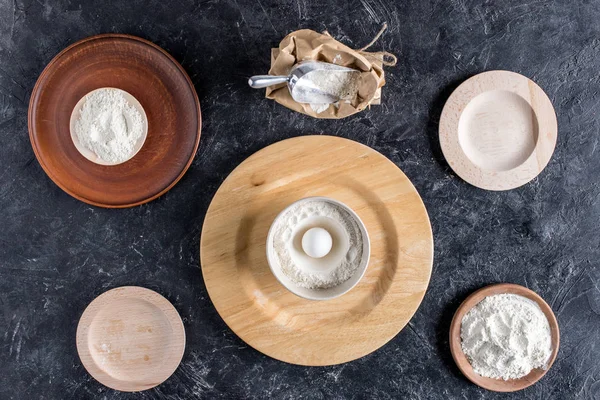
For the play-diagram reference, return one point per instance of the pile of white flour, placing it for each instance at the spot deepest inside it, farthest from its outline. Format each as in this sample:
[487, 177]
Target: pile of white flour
[340, 84]
[283, 239]
[505, 336]
[108, 125]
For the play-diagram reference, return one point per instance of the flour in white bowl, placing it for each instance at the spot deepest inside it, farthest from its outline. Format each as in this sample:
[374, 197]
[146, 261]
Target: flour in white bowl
[109, 126]
[282, 243]
[505, 336]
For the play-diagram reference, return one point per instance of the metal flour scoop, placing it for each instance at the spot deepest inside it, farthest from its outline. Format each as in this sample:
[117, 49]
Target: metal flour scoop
[302, 88]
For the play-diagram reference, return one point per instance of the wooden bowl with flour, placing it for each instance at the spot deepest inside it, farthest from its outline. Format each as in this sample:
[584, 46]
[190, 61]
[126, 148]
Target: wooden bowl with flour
[500, 385]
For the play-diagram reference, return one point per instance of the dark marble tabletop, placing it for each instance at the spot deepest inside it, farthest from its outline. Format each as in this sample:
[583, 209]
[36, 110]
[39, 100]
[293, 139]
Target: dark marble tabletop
[57, 253]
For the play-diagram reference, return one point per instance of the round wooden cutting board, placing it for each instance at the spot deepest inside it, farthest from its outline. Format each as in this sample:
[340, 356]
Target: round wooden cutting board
[149, 74]
[266, 315]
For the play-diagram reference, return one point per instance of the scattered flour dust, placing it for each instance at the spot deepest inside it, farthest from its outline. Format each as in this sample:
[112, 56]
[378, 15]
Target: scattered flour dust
[282, 243]
[106, 352]
[108, 125]
[505, 336]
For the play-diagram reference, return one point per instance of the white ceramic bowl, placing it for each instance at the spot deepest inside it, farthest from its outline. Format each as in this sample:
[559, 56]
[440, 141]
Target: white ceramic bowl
[91, 155]
[319, 294]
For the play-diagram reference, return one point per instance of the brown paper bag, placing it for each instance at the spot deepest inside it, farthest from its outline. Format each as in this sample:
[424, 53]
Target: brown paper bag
[306, 44]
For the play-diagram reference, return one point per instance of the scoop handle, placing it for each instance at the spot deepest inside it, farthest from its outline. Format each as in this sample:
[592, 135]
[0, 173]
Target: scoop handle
[262, 81]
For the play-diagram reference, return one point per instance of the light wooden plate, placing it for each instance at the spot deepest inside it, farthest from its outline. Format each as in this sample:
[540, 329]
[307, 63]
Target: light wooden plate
[130, 339]
[263, 312]
[498, 130]
[499, 385]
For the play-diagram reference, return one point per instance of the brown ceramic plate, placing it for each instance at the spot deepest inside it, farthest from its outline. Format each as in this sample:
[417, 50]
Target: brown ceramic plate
[149, 74]
[499, 385]
[130, 338]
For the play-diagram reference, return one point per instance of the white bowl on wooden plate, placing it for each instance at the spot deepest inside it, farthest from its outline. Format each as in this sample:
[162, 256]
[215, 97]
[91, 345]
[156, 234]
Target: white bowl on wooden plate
[90, 155]
[499, 385]
[334, 256]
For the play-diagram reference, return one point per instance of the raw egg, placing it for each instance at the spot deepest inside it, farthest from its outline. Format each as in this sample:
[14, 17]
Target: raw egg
[316, 242]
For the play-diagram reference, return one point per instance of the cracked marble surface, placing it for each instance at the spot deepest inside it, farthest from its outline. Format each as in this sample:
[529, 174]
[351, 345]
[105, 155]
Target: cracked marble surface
[57, 253]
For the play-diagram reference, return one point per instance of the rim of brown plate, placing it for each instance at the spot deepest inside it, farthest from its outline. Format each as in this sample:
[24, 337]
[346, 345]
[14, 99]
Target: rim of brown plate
[499, 385]
[41, 79]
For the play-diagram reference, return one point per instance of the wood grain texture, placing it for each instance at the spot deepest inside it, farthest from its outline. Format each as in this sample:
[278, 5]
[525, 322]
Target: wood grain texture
[130, 339]
[266, 315]
[149, 74]
[461, 360]
[512, 135]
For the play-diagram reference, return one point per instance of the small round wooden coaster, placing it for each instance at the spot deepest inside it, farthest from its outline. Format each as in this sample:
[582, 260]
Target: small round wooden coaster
[130, 339]
[498, 130]
[499, 385]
